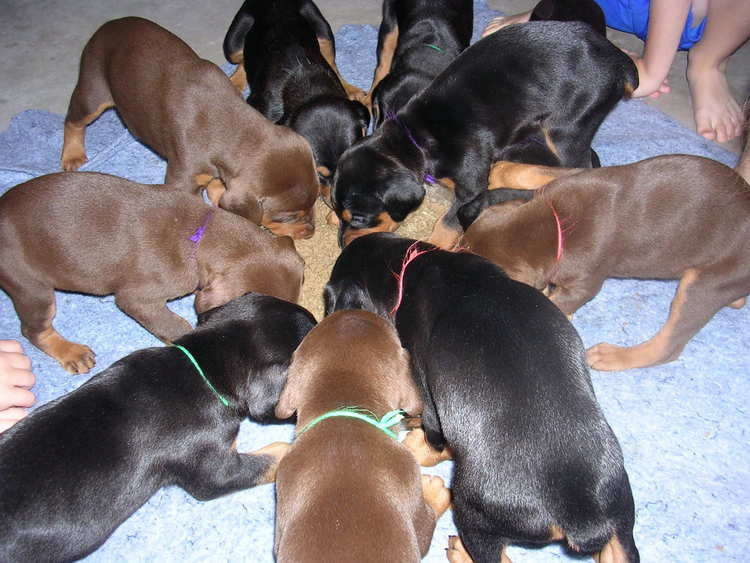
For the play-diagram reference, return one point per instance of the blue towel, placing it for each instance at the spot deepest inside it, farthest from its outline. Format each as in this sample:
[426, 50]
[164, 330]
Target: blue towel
[682, 426]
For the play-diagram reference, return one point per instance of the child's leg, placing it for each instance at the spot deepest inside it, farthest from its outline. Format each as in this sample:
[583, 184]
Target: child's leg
[16, 380]
[502, 21]
[717, 114]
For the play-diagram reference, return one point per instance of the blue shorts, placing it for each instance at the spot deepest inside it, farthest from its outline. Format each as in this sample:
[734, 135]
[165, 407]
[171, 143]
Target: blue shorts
[631, 16]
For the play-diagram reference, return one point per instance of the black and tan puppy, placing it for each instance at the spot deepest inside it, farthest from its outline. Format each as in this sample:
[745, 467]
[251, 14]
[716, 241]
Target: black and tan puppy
[346, 491]
[536, 92]
[99, 234]
[587, 11]
[286, 52]
[416, 41]
[78, 467]
[185, 109]
[506, 392]
[669, 217]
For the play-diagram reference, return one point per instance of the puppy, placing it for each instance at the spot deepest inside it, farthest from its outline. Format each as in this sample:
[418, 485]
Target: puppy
[185, 109]
[507, 394]
[79, 466]
[146, 244]
[346, 491]
[587, 11]
[669, 217]
[416, 41]
[289, 62]
[537, 91]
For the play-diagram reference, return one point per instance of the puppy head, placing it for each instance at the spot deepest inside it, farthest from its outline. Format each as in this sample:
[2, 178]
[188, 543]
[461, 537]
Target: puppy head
[375, 367]
[264, 264]
[264, 331]
[331, 125]
[372, 192]
[278, 188]
[586, 11]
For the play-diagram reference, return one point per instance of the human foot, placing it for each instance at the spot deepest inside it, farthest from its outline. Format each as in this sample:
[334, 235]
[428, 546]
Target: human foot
[717, 114]
[16, 380]
[503, 21]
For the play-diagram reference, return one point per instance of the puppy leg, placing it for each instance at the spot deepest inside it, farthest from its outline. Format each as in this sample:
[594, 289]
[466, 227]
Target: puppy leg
[699, 296]
[436, 494]
[35, 306]
[570, 296]
[387, 43]
[425, 454]
[613, 552]
[150, 310]
[225, 472]
[447, 230]
[456, 552]
[353, 93]
[505, 174]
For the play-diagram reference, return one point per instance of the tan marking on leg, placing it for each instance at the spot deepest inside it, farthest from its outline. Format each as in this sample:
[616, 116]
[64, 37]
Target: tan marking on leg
[425, 454]
[73, 154]
[276, 450]
[203, 179]
[612, 552]
[608, 357]
[214, 190]
[74, 358]
[739, 303]
[239, 79]
[550, 143]
[352, 92]
[237, 57]
[505, 174]
[504, 556]
[456, 552]
[436, 494]
[556, 533]
[385, 60]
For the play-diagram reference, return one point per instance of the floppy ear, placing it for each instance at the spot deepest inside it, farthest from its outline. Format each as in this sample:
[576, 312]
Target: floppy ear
[241, 202]
[411, 396]
[214, 294]
[353, 297]
[405, 194]
[289, 397]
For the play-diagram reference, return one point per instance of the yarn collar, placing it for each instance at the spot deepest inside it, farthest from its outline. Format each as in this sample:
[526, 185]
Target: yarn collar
[383, 424]
[222, 399]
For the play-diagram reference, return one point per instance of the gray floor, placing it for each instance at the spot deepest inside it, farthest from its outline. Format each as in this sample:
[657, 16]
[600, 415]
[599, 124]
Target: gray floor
[41, 42]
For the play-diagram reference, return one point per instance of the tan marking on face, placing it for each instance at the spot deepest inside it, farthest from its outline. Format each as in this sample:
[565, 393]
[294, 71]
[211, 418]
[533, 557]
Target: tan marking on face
[550, 143]
[324, 171]
[300, 225]
[385, 60]
[385, 223]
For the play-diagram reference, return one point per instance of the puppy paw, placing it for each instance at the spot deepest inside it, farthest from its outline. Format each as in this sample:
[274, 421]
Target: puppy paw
[276, 451]
[436, 494]
[456, 552]
[76, 358]
[424, 453]
[73, 159]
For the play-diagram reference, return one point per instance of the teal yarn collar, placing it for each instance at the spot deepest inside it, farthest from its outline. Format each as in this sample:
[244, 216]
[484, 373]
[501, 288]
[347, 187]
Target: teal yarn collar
[383, 424]
[222, 398]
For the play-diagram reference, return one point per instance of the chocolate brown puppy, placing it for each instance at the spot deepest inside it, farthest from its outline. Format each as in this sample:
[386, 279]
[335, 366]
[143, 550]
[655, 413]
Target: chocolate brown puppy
[99, 234]
[186, 109]
[346, 491]
[669, 217]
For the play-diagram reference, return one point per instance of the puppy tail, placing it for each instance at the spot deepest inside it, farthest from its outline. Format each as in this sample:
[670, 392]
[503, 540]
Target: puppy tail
[743, 166]
[234, 41]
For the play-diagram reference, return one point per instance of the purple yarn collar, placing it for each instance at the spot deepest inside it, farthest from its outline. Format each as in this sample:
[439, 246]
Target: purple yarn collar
[196, 237]
[391, 115]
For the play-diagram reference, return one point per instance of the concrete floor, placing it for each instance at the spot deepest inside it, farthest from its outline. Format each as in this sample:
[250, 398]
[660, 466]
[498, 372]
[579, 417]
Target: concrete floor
[41, 43]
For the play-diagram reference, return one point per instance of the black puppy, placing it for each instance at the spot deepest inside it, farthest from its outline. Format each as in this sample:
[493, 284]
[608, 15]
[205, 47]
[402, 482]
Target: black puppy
[416, 41]
[587, 11]
[286, 53]
[533, 93]
[506, 393]
[76, 468]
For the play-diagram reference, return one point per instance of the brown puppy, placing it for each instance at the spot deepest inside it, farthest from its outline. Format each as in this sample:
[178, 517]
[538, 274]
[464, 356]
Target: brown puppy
[346, 491]
[666, 217]
[186, 109]
[99, 234]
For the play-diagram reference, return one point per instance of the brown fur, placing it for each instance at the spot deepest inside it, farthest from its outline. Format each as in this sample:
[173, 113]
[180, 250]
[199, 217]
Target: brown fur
[669, 217]
[101, 235]
[187, 110]
[346, 491]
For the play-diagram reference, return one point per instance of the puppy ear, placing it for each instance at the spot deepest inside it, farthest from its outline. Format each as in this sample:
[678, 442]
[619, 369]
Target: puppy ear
[214, 294]
[243, 203]
[411, 397]
[405, 195]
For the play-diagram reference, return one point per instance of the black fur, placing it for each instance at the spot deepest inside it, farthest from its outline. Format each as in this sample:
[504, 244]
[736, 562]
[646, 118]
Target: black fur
[587, 11]
[290, 81]
[431, 33]
[506, 389]
[77, 467]
[495, 102]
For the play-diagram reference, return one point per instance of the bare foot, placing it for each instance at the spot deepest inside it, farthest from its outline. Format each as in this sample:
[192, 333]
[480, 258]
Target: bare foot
[504, 21]
[717, 114]
[16, 380]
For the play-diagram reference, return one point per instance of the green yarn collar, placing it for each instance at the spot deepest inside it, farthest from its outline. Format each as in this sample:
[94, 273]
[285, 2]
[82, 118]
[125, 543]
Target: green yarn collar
[221, 397]
[383, 424]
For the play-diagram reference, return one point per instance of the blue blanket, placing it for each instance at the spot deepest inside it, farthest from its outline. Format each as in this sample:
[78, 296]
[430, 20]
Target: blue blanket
[682, 426]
